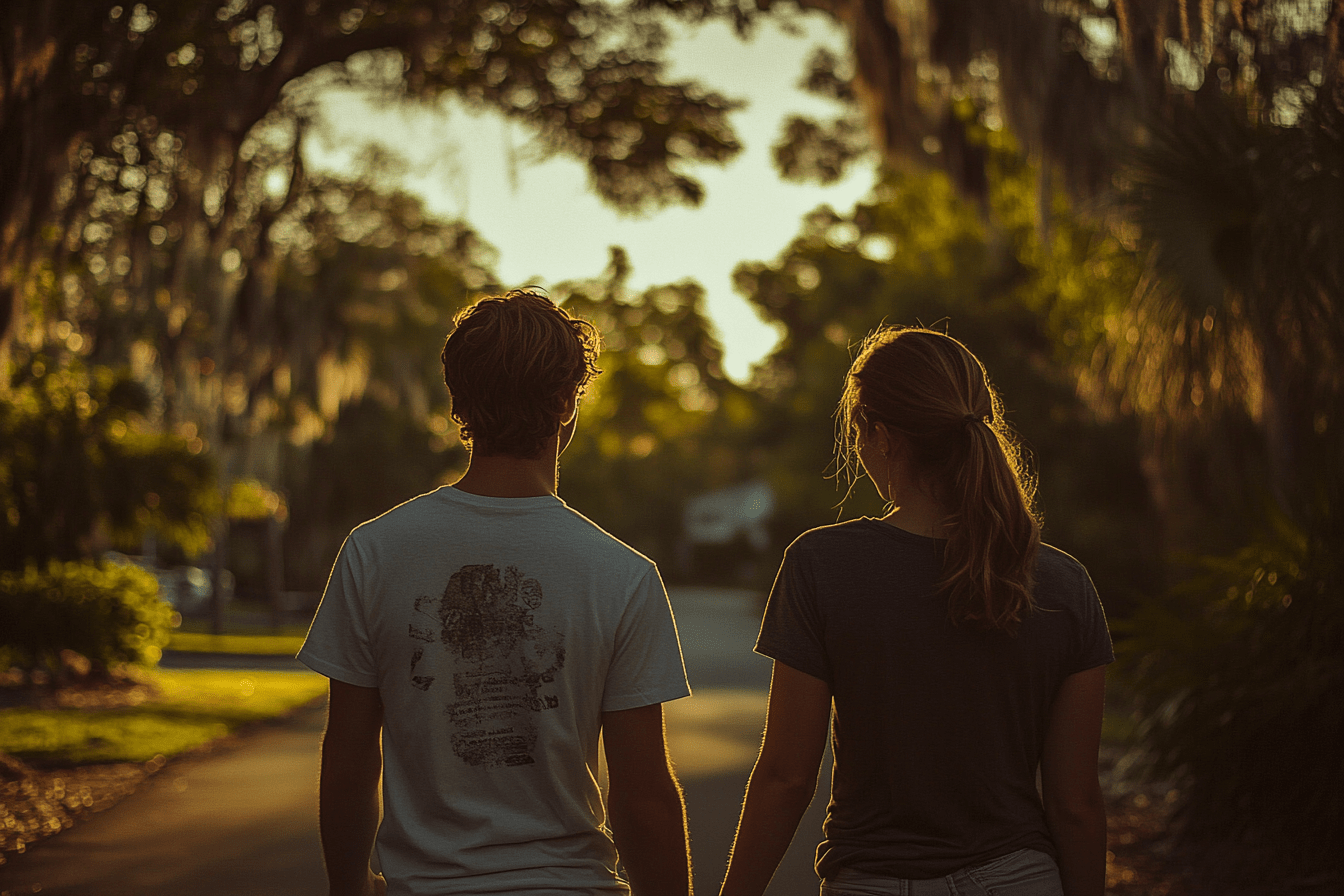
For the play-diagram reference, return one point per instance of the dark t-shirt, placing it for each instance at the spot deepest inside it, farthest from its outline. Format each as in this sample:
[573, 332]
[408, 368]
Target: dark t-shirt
[937, 729]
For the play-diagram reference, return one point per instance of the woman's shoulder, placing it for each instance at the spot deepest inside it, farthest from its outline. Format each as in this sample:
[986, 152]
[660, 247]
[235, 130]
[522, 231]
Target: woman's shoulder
[1061, 574]
[836, 534]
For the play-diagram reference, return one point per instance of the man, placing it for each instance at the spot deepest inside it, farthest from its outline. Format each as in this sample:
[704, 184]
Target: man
[487, 633]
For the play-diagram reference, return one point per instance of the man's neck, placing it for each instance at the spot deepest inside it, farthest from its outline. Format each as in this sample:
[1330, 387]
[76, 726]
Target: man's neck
[500, 476]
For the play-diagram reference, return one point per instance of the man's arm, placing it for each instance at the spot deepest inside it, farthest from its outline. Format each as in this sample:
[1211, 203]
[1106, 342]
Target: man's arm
[784, 780]
[648, 813]
[352, 761]
[1074, 810]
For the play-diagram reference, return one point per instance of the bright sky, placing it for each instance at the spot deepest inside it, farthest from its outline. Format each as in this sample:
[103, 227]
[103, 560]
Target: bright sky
[548, 226]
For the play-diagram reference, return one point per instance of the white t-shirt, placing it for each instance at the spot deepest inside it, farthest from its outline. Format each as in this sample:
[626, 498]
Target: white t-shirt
[497, 631]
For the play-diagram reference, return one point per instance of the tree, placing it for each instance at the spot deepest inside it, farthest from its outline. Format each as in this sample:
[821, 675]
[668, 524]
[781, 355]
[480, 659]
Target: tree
[154, 114]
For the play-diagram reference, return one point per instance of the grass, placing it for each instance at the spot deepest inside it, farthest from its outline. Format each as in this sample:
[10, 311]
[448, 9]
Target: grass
[249, 632]
[257, 645]
[191, 707]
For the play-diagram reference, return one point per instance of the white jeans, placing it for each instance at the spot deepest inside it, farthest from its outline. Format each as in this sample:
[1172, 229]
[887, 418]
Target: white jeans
[1027, 872]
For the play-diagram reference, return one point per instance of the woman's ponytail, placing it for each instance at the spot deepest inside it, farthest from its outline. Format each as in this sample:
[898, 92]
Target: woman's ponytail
[992, 536]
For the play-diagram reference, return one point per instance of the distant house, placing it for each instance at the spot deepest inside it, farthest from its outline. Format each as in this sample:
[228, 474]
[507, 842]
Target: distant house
[727, 530]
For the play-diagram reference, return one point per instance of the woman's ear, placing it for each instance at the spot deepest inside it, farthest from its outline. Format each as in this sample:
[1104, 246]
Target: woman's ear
[882, 439]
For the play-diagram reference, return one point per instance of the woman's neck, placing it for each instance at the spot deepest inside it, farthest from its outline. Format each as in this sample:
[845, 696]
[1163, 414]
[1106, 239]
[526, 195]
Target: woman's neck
[916, 510]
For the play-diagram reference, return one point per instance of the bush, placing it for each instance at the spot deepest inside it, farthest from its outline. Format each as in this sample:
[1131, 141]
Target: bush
[80, 460]
[108, 613]
[1241, 688]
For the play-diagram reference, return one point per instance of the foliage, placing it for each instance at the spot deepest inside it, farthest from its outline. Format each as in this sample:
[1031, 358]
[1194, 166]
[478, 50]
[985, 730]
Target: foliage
[1242, 694]
[250, 499]
[78, 463]
[1242, 315]
[374, 457]
[189, 708]
[661, 423]
[109, 613]
[1076, 82]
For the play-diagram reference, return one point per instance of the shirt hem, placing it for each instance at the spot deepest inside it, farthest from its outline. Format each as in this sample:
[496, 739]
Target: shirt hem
[335, 672]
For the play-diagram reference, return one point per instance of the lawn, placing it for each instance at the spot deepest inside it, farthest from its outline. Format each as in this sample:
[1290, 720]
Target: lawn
[187, 708]
[256, 645]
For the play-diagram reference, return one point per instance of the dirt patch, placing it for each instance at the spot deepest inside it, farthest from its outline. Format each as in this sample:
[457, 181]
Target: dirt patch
[47, 801]
[112, 690]
[1139, 858]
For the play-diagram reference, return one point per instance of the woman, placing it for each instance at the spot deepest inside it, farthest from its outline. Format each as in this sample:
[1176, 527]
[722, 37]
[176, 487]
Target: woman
[959, 653]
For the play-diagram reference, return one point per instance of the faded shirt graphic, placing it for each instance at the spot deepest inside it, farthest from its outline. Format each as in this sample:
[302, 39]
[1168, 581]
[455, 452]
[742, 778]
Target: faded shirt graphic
[501, 661]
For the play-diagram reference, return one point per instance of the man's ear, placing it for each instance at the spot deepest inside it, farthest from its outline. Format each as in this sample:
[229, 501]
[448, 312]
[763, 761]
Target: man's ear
[571, 409]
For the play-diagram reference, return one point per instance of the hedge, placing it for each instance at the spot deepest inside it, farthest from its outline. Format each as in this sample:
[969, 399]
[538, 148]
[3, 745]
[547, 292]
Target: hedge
[109, 613]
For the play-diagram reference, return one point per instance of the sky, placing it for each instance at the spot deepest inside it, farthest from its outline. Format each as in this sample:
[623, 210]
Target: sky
[549, 227]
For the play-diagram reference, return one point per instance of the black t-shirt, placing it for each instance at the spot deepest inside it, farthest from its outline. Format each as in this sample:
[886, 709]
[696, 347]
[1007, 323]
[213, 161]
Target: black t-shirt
[937, 729]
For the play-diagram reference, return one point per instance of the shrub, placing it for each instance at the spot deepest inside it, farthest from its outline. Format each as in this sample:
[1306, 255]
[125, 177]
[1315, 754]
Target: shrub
[1241, 687]
[108, 613]
[78, 456]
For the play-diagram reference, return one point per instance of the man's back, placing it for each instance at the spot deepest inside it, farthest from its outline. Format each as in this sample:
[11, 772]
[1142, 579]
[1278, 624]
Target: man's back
[497, 631]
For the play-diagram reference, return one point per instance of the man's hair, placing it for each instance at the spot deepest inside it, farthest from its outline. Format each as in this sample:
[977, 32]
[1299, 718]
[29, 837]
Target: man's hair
[512, 363]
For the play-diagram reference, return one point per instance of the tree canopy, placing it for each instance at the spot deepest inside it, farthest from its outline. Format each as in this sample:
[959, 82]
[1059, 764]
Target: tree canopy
[153, 109]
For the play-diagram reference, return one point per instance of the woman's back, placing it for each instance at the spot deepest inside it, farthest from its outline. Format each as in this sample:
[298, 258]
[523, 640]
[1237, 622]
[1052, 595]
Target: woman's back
[938, 728]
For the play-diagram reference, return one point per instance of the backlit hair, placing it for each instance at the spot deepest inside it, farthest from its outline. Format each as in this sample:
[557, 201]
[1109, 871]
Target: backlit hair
[928, 388]
[512, 363]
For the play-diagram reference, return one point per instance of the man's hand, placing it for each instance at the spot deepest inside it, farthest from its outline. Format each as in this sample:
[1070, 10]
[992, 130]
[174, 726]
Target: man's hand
[375, 885]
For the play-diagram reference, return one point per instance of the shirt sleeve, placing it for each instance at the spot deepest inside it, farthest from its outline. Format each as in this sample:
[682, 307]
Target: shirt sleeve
[792, 631]
[1094, 636]
[646, 666]
[338, 644]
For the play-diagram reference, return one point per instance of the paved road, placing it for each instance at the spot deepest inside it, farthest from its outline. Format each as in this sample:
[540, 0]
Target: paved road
[242, 821]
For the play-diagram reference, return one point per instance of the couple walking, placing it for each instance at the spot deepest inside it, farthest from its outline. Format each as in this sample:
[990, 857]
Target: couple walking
[480, 637]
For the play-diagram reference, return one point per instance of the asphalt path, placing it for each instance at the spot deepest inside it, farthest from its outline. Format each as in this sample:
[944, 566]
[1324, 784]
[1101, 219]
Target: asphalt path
[241, 820]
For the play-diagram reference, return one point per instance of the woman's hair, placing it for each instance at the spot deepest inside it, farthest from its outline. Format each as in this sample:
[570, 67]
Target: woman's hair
[512, 363]
[928, 388]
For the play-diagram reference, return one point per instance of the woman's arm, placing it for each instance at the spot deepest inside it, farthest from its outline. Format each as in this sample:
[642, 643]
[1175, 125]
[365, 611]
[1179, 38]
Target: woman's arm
[783, 781]
[1074, 810]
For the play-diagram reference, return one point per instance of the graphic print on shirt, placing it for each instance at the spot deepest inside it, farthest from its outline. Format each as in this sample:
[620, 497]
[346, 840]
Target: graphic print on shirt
[500, 659]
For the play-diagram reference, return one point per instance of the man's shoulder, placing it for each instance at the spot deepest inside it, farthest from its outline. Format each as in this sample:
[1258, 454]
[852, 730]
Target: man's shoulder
[407, 512]
[583, 530]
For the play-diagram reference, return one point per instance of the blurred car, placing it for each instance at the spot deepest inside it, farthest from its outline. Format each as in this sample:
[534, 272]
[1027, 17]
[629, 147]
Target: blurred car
[186, 588]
